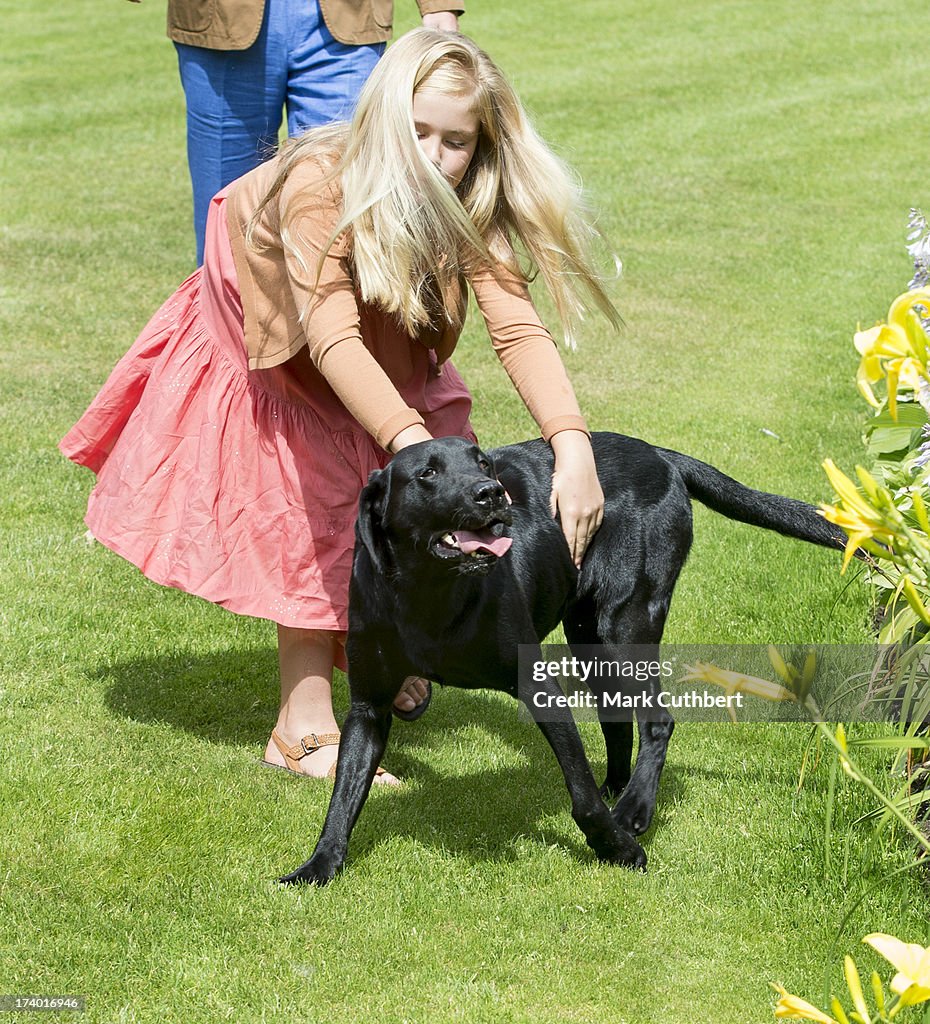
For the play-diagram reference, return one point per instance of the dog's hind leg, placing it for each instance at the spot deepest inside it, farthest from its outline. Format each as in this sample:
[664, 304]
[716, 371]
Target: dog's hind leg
[581, 635]
[627, 588]
[637, 804]
[604, 835]
[361, 746]
[618, 740]
[638, 626]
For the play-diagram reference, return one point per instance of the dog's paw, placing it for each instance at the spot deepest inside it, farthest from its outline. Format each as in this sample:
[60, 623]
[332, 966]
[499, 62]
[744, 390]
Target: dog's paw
[637, 858]
[614, 845]
[633, 812]
[316, 871]
[622, 850]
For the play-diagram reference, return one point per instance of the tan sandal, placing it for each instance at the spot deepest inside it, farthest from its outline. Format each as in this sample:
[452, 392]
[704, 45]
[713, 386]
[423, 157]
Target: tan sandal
[310, 744]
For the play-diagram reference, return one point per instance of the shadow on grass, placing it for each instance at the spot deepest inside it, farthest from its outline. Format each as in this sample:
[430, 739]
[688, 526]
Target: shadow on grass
[230, 698]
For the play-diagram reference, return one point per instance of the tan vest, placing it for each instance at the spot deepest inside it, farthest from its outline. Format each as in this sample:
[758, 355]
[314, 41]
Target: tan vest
[235, 24]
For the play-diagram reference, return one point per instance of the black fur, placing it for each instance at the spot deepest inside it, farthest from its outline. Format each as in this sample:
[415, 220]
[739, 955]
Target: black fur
[417, 608]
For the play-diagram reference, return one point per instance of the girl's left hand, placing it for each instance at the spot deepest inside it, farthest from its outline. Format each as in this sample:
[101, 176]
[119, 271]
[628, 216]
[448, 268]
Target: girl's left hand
[576, 490]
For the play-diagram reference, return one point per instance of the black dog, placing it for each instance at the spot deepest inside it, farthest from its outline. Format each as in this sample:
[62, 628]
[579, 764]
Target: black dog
[436, 593]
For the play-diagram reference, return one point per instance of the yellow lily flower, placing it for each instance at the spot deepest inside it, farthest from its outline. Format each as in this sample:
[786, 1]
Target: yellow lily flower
[857, 532]
[838, 1011]
[860, 520]
[849, 494]
[912, 962]
[853, 524]
[883, 348]
[798, 681]
[896, 350]
[854, 985]
[878, 992]
[778, 663]
[734, 682]
[789, 1006]
[899, 312]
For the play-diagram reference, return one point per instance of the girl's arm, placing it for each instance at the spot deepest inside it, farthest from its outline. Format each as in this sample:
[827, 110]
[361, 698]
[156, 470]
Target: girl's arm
[531, 359]
[331, 320]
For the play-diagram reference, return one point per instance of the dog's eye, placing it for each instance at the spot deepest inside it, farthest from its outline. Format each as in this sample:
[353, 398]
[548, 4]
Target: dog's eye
[484, 465]
[425, 474]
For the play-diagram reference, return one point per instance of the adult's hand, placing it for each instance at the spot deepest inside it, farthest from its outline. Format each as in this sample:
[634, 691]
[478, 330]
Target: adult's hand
[443, 21]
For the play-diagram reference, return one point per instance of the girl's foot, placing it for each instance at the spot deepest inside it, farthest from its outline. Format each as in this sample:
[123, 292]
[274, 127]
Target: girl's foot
[318, 759]
[313, 755]
[414, 693]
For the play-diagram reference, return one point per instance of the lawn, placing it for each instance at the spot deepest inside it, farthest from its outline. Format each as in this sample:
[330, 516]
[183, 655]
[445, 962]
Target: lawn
[753, 164]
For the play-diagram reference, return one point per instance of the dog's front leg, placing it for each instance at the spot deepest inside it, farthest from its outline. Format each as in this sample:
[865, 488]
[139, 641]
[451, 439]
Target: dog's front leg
[604, 835]
[361, 747]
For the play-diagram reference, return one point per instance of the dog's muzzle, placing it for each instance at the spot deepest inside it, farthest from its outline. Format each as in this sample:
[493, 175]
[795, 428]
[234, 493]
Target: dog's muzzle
[481, 538]
[489, 540]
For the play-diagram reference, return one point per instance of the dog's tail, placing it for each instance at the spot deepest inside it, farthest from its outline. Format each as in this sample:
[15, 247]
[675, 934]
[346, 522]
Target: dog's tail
[730, 498]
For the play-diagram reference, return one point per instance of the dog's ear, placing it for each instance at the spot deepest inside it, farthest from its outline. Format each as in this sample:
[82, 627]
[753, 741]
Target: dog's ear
[369, 527]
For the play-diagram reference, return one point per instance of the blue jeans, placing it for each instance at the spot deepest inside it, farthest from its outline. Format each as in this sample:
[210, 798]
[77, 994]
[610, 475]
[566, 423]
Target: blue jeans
[235, 98]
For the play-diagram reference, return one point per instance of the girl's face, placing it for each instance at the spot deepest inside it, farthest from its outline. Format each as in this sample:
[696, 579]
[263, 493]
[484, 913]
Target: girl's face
[447, 130]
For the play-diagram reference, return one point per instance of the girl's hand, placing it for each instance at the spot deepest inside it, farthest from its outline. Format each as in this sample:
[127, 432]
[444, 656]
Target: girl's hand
[576, 490]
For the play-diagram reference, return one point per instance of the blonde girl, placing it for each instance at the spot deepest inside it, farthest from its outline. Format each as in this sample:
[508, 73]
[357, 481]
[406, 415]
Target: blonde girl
[231, 442]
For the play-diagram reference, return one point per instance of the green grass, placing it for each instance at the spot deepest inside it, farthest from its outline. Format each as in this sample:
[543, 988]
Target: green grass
[754, 163]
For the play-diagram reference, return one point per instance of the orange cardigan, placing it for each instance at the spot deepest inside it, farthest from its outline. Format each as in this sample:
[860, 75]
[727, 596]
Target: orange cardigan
[275, 287]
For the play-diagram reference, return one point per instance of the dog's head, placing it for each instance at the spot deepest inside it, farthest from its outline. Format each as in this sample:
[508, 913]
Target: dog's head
[437, 505]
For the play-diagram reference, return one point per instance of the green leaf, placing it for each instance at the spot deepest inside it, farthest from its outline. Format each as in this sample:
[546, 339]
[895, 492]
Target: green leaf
[828, 814]
[910, 415]
[901, 623]
[891, 439]
[894, 743]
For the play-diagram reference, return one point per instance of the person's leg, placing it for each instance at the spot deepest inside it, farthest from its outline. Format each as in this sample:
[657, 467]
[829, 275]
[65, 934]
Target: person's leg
[306, 658]
[324, 75]
[235, 101]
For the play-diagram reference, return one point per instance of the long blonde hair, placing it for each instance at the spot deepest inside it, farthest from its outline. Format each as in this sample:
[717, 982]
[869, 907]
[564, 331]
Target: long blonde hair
[412, 234]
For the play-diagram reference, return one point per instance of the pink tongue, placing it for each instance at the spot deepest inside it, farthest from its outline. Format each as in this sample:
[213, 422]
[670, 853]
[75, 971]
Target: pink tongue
[470, 541]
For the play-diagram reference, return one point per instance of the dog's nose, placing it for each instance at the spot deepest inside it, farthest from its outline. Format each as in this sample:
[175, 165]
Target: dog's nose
[488, 492]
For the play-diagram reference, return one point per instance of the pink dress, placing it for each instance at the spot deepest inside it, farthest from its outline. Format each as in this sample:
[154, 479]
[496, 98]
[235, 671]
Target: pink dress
[238, 485]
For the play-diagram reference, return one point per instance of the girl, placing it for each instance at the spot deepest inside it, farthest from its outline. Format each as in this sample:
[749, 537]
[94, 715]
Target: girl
[232, 440]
